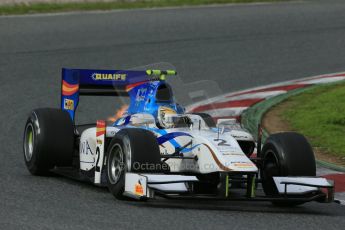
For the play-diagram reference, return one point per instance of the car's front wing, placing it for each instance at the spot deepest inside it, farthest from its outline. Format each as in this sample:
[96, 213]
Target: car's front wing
[294, 189]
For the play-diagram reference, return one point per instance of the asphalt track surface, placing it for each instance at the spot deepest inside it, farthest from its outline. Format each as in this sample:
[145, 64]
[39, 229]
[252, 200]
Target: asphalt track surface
[235, 46]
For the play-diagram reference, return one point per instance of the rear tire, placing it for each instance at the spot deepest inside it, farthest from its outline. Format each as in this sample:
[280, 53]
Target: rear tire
[132, 150]
[286, 154]
[48, 140]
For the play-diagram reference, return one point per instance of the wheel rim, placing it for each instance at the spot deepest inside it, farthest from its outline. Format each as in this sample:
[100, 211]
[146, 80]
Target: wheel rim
[29, 140]
[116, 163]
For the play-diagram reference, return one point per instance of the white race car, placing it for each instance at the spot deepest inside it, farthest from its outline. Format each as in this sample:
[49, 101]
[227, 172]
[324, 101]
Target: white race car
[156, 149]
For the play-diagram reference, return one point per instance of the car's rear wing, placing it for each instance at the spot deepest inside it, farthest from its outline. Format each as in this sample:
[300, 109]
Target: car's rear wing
[76, 82]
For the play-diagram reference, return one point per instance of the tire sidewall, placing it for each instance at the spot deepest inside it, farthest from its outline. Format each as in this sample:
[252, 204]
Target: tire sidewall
[38, 164]
[269, 151]
[141, 150]
[117, 188]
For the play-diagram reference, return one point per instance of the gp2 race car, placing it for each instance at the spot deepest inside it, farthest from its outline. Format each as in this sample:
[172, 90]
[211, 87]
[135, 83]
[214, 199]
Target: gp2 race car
[156, 149]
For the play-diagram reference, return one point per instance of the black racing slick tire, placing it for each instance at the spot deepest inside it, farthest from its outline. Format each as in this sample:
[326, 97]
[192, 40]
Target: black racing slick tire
[207, 118]
[48, 140]
[286, 154]
[132, 150]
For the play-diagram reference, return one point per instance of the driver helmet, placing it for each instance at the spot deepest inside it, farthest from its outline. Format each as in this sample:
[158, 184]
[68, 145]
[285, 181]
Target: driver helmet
[162, 116]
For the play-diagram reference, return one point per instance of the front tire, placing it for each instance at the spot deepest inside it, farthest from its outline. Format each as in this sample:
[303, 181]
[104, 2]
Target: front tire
[286, 154]
[132, 150]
